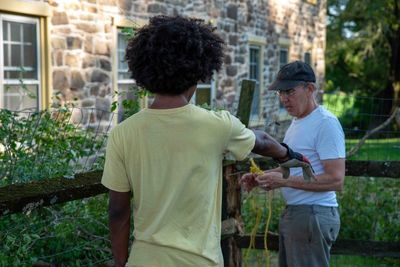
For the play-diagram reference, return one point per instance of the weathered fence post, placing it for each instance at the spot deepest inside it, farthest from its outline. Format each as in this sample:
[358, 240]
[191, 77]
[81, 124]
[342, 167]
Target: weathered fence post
[231, 199]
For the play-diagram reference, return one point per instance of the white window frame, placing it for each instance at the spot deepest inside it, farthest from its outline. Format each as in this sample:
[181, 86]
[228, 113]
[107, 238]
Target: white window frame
[260, 42]
[119, 81]
[4, 82]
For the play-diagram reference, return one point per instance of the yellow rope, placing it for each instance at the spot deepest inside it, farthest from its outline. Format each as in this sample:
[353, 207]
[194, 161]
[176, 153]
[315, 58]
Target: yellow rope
[255, 169]
[270, 195]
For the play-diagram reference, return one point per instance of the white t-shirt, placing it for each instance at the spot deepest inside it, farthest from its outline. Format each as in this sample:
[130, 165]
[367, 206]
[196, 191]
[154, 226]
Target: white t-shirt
[319, 136]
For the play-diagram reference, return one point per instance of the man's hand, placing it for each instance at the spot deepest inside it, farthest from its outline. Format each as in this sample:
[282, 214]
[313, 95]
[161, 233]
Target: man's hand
[248, 181]
[270, 180]
[293, 160]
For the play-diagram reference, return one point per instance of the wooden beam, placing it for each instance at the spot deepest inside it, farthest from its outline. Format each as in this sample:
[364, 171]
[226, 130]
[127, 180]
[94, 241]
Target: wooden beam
[340, 247]
[28, 196]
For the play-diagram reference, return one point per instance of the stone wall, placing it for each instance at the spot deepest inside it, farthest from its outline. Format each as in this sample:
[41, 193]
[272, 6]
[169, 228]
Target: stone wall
[82, 42]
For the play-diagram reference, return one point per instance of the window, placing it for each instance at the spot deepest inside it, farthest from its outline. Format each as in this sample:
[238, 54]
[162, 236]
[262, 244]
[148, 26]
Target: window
[254, 74]
[125, 83]
[122, 81]
[283, 57]
[307, 58]
[283, 60]
[205, 93]
[20, 77]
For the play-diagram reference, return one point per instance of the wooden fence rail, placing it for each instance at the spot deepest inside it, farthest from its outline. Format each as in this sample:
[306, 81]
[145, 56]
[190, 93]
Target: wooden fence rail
[341, 246]
[28, 196]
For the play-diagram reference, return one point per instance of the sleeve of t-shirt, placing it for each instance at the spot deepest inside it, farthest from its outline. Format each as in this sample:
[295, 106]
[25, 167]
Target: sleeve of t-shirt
[330, 142]
[114, 174]
[241, 140]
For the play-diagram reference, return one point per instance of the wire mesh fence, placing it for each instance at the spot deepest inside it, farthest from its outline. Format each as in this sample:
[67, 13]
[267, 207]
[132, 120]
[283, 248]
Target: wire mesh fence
[358, 115]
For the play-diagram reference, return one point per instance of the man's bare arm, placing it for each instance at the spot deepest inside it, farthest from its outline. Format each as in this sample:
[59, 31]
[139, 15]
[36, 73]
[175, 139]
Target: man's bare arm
[331, 180]
[267, 146]
[119, 222]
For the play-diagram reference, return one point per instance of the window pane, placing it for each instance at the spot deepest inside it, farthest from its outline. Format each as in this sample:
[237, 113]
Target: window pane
[29, 74]
[254, 64]
[29, 57]
[283, 59]
[5, 32]
[15, 31]
[307, 58]
[124, 75]
[123, 69]
[16, 56]
[29, 31]
[121, 41]
[12, 74]
[5, 51]
[203, 96]
[17, 98]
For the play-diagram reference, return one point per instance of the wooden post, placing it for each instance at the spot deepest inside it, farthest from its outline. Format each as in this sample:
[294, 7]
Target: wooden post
[245, 100]
[231, 198]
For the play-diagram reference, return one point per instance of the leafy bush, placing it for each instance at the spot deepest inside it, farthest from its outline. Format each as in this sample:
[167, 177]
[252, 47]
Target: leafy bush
[42, 144]
[70, 234]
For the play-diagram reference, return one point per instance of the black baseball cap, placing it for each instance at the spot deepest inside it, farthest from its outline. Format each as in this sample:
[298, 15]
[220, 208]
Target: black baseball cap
[291, 75]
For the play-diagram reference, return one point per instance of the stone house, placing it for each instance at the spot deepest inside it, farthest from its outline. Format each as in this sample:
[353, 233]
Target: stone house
[74, 48]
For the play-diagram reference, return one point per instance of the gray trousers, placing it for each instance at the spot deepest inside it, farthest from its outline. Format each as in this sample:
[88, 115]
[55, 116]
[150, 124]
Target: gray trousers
[306, 234]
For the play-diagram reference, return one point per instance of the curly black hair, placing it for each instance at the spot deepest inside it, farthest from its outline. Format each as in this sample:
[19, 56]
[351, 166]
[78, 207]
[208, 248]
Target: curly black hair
[171, 54]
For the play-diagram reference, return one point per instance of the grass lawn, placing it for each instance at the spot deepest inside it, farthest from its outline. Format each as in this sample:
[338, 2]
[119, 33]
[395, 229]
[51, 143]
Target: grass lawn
[376, 149]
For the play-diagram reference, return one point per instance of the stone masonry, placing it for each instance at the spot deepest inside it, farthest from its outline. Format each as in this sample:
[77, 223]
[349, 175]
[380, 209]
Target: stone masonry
[82, 43]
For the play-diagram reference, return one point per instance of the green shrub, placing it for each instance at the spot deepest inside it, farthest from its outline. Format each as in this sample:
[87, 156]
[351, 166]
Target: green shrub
[42, 144]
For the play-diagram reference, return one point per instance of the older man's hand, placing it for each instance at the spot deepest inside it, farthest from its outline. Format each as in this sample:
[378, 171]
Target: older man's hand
[270, 180]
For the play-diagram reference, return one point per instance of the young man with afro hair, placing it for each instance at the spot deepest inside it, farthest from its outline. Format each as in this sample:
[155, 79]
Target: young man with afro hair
[168, 157]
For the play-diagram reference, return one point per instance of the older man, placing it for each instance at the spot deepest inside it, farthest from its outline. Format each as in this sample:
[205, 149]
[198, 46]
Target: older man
[310, 222]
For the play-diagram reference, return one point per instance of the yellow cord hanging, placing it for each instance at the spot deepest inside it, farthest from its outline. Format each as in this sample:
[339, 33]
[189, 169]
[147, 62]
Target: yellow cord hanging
[255, 169]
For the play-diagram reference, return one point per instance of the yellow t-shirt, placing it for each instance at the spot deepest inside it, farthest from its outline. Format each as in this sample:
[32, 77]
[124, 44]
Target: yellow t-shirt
[171, 159]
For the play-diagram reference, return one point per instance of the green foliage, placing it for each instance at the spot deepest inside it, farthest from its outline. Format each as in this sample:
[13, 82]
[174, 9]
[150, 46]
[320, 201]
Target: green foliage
[42, 144]
[249, 214]
[129, 105]
[338, 103]
[363, 55]
[370, 209]
[358, 49]
[71, 234]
